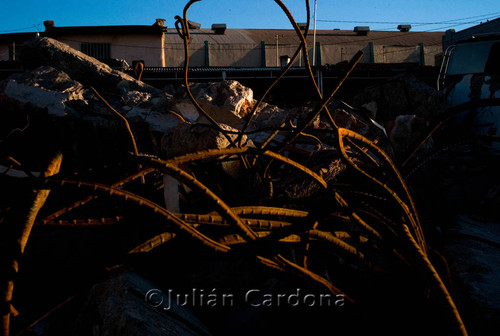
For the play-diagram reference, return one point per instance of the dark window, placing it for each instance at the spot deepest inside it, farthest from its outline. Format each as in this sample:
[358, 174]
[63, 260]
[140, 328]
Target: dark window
[493, 63]
[100, 51]
[469, 58]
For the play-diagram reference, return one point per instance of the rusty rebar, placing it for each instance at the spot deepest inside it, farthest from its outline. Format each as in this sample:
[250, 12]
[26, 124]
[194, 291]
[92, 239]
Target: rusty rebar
[21, 233]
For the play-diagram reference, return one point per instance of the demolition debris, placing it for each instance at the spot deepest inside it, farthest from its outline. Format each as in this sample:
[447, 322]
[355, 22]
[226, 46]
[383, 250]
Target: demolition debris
[205, 186]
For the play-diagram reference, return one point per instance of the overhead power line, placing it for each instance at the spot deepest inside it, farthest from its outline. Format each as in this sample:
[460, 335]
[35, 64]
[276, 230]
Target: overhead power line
[476, 17]
[20, 29]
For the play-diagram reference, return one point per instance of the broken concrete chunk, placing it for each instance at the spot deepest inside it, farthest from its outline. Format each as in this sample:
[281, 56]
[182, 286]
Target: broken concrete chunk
[187, 110]
[152, 109]
[79, 66]
[186, 138]
[135, 97]
[157, 121]
[271, 116]
[227, 102]
[228, 95]
[46, 87]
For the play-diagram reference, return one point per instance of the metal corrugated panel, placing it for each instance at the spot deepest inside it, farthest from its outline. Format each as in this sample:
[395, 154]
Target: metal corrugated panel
[288, 36]
[200, 35]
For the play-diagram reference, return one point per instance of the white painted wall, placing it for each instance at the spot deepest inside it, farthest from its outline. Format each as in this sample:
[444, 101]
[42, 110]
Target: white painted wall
[130, 47]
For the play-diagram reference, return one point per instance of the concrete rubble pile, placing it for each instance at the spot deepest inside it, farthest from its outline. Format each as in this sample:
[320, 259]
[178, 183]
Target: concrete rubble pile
[53, 102]
[59, 80]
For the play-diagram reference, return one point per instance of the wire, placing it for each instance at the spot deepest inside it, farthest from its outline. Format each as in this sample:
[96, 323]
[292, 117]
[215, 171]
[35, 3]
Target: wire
[418, 23]
[19, 29]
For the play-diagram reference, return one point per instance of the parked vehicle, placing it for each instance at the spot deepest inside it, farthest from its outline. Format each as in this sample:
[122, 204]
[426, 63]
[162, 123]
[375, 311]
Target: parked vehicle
[470, 79]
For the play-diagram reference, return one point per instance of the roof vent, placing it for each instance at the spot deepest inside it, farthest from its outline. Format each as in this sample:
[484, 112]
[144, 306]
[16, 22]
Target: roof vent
[219, 28]
[193, 25]
[361, 30]
[404, 28]
[302, 25]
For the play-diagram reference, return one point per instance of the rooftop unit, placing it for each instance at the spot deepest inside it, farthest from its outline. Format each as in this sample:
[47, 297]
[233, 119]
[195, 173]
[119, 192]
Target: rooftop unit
[193, 25]
[361, 30]
[404, 27]
[219, 28]
[302, 25]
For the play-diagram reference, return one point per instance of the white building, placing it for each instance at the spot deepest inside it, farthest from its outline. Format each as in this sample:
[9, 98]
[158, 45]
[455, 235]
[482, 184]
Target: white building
[159, 46]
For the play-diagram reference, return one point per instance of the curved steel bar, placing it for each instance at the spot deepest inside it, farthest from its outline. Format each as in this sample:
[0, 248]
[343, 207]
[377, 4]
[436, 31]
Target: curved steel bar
[283, 73]
[144, 202]
[226, 211]
[411, 215]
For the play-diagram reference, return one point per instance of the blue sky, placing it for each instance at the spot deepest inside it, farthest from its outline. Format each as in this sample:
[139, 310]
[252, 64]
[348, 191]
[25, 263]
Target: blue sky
[423, 15]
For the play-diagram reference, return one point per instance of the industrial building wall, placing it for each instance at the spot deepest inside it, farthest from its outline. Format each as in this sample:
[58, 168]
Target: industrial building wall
[243, 55]
[251, 55]
[235, 55]
[431, 54]
[334, 53]
[174, 55]
[274, 53]
[398, 54]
